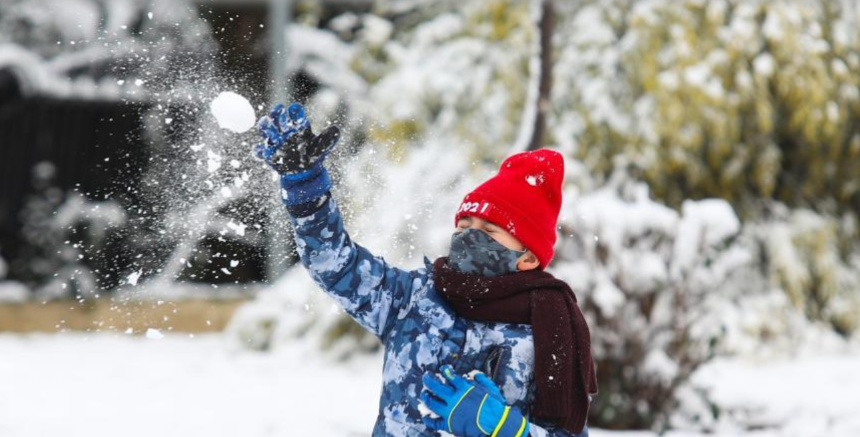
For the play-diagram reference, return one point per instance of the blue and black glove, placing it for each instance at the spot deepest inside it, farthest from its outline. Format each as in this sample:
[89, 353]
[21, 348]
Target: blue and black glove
[470, 408]
[292, 149]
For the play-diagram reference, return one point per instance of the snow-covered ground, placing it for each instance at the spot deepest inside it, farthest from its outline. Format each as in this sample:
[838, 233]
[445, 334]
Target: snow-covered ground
[113, 385]
[109, 384]
[806, 396]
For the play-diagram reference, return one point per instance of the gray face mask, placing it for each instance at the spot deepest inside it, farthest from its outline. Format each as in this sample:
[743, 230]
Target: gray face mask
[474, 252]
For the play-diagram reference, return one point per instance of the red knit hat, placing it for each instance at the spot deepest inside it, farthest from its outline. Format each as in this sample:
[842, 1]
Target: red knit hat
[524, 198]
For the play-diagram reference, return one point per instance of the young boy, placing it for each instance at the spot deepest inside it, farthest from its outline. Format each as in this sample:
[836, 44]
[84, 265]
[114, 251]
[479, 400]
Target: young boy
[487, 311]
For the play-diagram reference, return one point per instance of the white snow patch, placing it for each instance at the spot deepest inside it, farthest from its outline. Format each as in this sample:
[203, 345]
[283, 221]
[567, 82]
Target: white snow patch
[11, 291]
[213, 162]
[534, 180]
[154, 334]
[764, 65]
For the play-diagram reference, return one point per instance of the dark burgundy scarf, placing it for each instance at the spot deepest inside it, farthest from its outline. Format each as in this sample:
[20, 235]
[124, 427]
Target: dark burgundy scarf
[564, 370]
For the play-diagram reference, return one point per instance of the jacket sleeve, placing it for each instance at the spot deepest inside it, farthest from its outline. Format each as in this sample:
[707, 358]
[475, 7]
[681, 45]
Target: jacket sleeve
[368, 288]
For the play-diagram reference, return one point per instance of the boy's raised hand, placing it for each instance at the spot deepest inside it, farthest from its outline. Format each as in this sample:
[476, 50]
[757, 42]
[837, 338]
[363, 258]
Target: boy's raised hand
[290, 145]
[292, 149]
[470, 408]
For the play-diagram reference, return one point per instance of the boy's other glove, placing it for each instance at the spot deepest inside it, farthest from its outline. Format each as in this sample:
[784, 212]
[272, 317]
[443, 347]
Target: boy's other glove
[470, 408]
[292, 149]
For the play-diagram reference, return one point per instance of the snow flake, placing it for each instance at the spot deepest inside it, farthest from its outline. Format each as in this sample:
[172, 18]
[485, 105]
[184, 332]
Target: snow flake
[214, 161]
[535, 180]
[132, 278]
[238, 228]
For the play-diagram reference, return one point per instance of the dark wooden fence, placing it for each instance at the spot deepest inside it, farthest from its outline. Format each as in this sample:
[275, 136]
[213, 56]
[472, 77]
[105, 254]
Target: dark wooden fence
[97, 148]
[90, 142]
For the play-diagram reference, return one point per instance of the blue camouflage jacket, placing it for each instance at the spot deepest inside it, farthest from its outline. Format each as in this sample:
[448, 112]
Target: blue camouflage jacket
[418, 328]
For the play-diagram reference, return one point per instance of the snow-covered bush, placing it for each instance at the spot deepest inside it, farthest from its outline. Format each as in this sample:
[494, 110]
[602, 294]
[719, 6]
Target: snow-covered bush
[42, 255]
[750, 102]
[72, 243]
[653, 283]
[91, 249]
[724, 98]
[11, 291]
[453, 71]
[295, 307]
[816, 260]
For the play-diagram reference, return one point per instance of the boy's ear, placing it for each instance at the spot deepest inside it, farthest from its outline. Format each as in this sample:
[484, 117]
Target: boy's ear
[528, 261]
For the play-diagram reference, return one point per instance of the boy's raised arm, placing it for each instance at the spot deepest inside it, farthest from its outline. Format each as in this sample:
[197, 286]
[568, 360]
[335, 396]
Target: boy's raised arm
[367, 288]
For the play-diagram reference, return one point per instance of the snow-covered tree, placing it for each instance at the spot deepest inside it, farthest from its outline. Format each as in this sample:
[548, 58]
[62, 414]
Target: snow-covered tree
[105, 49]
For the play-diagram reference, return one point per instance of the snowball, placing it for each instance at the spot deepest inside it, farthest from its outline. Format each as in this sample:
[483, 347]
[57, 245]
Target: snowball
[233, 112]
